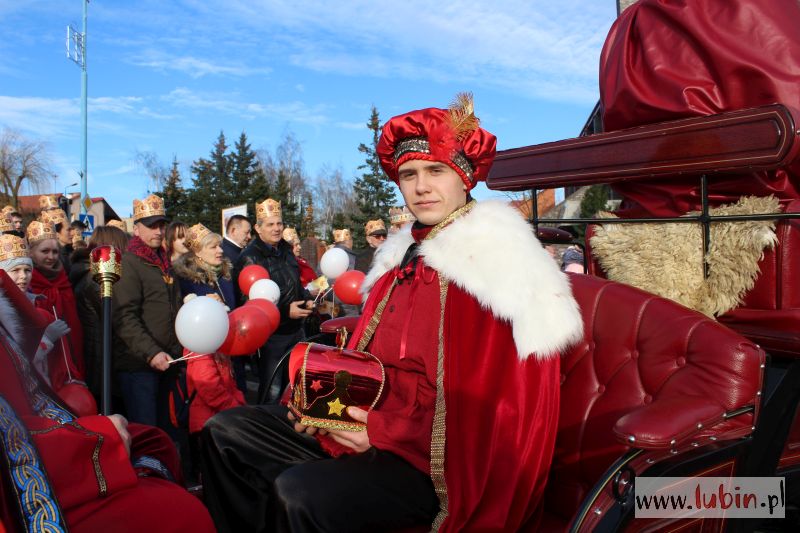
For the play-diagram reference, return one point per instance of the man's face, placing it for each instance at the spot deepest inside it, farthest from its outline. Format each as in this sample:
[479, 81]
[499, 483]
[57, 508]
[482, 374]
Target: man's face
[16, 222]
[270, 229]
[240, 233]
[65, 235]
[432, 190]
[375, 240]
[153, 235]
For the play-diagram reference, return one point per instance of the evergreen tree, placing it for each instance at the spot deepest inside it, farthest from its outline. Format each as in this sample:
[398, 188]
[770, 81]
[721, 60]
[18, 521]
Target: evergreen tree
[340, 221]
[250, 183]
[594, 200]
[374, 193]
[212, 185]
[174, 194]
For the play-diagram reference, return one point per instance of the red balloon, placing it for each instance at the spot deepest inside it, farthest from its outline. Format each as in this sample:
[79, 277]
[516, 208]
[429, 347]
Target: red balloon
[348, 285]
[270, 309]
[249, 330]
[249, 275]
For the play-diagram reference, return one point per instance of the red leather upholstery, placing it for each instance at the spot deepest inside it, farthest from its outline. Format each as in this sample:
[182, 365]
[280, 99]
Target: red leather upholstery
[648, 368]
[348, 322]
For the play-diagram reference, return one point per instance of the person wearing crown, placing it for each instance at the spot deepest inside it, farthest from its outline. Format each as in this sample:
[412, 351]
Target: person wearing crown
[468, 314]
[399, 218]
[375, 232]
[55, 297]
[14, 219]
[307, 274]
[272, 252]
[146, 302]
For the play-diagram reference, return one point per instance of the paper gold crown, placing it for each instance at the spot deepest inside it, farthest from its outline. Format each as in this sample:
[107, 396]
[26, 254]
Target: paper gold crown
[39, 231]
[48, 201]
[53, 216]
[5, 223]
[341, 235]
[7, 210]
[149, 207]
[400, 215]
[114, 223]
[12, 247]
[290, 235]
[268, 208]
[373, 226]
[195, 236]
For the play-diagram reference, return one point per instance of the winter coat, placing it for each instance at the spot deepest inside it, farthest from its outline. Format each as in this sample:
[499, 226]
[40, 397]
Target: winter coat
[196, 278]
[231, 251]
[146, 302]
[283, 269]
[210, 379]
[90, 312]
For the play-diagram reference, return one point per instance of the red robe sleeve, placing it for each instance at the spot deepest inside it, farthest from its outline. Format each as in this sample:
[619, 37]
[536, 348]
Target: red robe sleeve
[85, 459]
[500, 424]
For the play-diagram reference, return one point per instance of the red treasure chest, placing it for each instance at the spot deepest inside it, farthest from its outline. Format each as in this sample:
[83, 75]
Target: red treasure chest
[326, 380]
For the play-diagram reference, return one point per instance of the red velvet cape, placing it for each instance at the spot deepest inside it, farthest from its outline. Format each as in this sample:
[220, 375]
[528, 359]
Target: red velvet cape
[500, 423]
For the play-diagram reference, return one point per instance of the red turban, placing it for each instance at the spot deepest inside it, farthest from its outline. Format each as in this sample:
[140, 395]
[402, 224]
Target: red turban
[451, 136]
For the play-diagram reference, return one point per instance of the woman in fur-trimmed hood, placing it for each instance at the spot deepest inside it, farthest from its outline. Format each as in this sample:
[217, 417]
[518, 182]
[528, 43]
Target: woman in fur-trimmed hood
[204, 271]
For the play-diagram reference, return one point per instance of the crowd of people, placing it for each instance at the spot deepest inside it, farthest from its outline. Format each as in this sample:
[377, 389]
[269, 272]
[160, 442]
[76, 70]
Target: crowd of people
[435, 301]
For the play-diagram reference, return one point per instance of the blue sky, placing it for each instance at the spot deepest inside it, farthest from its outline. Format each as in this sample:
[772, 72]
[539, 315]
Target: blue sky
[168, 76]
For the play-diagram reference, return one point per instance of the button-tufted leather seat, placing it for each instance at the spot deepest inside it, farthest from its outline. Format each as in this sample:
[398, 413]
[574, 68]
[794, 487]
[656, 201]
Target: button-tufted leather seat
[647, 369]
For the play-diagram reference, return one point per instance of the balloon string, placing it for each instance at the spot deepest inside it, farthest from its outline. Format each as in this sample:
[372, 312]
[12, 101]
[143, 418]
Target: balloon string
[189, 356]
[63, 350]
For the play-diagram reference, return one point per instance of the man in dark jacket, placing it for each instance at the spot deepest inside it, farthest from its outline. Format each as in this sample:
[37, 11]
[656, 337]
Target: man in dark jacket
[237, 235]
[273, 253]
[146, 301]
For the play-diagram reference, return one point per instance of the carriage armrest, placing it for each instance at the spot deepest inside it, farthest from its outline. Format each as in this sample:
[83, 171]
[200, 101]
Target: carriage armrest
[739, 141]
[667, 423]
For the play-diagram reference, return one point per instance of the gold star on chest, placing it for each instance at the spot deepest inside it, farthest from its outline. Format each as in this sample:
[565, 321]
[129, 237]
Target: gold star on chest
[336, 407]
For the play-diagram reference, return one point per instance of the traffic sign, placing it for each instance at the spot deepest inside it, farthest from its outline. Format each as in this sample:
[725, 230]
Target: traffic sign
[88, 221]
[87, 202]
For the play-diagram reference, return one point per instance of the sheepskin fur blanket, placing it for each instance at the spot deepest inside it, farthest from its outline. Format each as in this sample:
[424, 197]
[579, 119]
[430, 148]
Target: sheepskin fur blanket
[667, 259]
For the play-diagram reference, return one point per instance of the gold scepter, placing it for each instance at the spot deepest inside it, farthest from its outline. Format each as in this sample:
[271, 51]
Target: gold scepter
[106, 266]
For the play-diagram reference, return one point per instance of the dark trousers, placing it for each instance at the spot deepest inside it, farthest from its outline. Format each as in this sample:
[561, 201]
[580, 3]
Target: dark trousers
[268, 359]
[140, 395]
[261, 475]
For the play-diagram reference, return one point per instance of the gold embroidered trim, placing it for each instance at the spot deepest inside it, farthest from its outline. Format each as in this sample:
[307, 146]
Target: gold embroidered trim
[421, 145]
[374, 320]
[438, 435]
[98, 471]
[332, 424]
[458, 213]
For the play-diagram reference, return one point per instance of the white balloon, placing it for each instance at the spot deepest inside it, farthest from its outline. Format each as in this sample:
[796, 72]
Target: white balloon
[265, 289]
[334, 263]
[202, 325]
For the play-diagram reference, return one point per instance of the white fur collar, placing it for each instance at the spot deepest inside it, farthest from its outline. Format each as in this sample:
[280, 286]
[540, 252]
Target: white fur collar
[492, 254]
[9, 318]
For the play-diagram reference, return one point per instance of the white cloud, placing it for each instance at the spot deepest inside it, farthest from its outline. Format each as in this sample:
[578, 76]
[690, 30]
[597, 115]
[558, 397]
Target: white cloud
[193, 66]
[288, 111]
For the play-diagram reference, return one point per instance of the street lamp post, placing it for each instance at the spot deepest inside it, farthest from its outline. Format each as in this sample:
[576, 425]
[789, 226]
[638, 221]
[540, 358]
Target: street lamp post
[76, 51]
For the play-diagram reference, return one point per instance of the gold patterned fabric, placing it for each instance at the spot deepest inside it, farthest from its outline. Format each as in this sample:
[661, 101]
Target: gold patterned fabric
[341, 235]
[290, 235]
[12, 247]
[38, 231]
[48, 201]
[195, 236]
[53, 216]
[374, 225]
[268, 208]
[149, 207]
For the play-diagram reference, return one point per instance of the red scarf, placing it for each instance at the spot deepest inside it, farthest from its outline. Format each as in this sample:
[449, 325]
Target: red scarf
[58, 293]
[159, 258]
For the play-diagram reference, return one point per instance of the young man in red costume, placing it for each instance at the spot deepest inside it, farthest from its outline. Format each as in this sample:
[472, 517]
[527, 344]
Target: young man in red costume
[59, 471]
[468, 314]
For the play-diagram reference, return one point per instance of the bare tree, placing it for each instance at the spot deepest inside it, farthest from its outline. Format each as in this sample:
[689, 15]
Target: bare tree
[23, 163]
[332, 194]
[157, 172]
